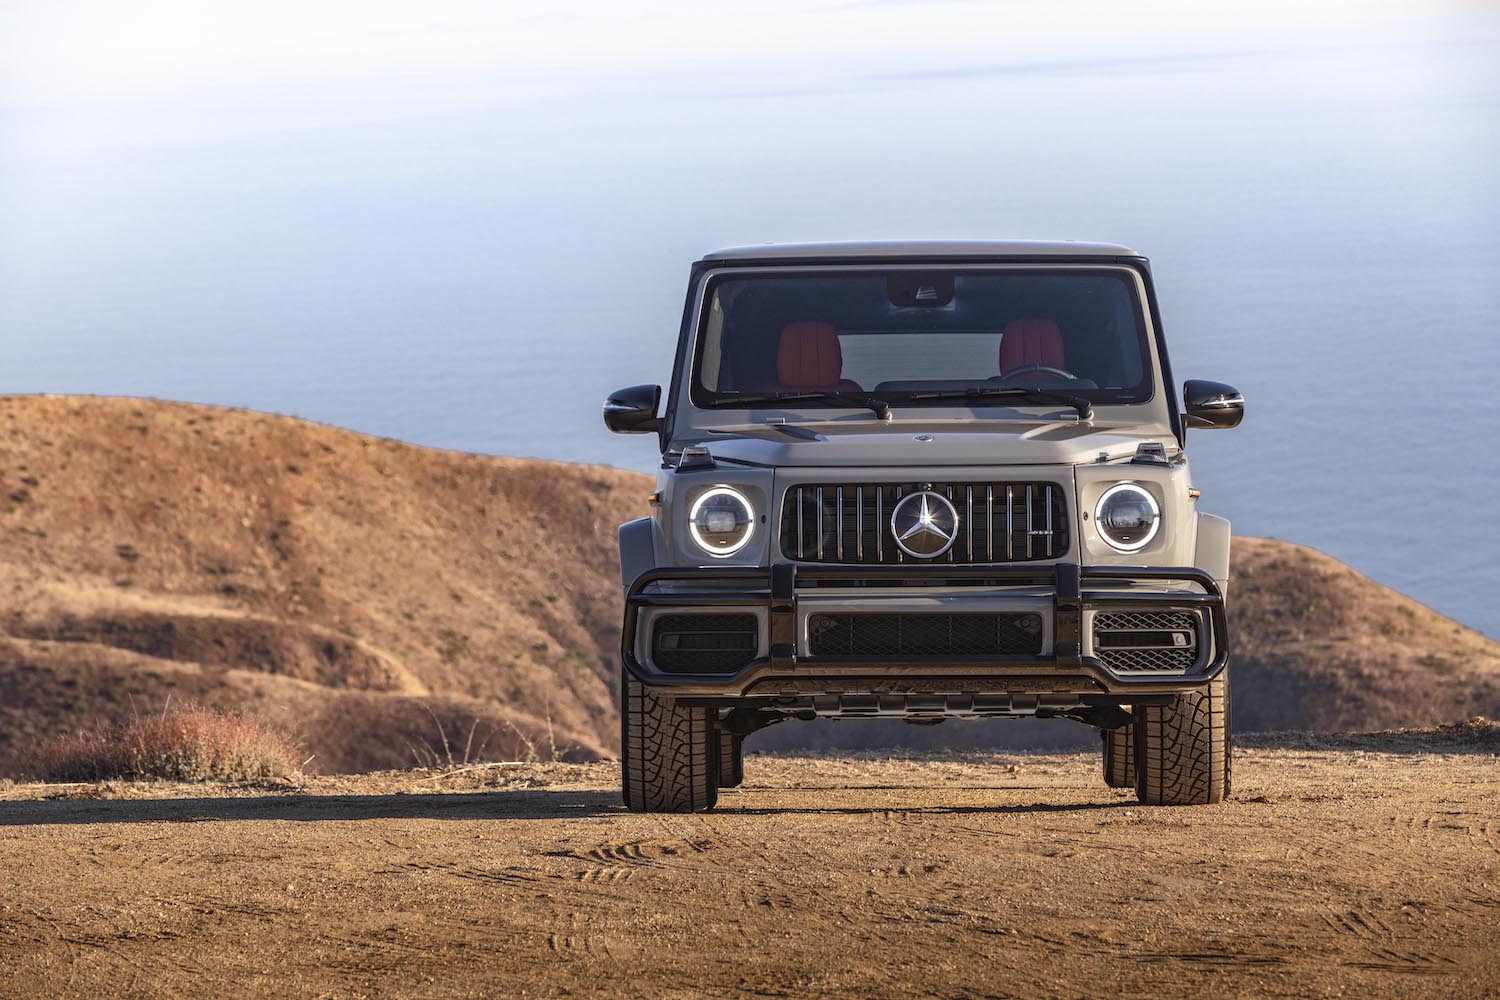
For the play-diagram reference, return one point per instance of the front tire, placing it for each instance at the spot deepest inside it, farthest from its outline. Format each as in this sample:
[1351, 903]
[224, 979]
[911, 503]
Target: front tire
[1119, 757]
[1182, 749]
[669, 755]
[731, 760]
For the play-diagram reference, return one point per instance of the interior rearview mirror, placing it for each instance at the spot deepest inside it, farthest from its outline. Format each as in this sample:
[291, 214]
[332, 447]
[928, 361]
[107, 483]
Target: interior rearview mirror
[1212, 404]
[633, 410]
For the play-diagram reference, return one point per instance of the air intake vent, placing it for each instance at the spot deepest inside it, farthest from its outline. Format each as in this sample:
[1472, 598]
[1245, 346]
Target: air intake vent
[704, 644]
[996, 522]
[1146, 642]
[924, 635]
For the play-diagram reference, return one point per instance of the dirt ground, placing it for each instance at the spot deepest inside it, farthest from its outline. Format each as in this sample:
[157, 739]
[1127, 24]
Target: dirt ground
[1361, 865]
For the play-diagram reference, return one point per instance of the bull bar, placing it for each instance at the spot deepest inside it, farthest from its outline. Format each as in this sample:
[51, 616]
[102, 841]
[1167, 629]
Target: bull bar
[775, 589]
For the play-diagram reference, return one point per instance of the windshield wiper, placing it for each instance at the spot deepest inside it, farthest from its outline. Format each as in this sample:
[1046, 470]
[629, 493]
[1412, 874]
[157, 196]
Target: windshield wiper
[1084, 407]
[881, 408]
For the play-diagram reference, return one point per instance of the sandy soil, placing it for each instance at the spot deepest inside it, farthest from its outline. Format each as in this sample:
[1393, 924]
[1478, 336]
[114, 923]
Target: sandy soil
[1367, 866]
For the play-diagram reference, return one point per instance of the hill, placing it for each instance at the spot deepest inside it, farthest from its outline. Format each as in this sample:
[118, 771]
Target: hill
[372, 596]
[1320, 646]
[359, 591]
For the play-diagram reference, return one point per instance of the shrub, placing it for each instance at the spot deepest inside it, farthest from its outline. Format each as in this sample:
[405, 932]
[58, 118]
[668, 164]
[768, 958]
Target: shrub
[186, 744]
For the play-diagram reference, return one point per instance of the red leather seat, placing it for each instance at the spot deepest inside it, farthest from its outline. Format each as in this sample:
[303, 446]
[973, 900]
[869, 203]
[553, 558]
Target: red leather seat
[1026, 342]
[809, 357]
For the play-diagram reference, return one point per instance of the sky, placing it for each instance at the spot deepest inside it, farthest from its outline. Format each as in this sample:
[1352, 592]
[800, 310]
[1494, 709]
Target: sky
[99, 51]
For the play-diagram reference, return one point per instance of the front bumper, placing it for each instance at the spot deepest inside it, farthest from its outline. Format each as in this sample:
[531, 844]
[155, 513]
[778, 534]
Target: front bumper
[1066, 669]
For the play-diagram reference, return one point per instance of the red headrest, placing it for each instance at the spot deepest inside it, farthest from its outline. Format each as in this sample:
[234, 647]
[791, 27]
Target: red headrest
[1030, 342]
[809, 355]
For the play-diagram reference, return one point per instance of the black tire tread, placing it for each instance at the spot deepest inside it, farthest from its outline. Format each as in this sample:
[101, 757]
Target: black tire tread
[731, 760]
[669, 755]
[1119, 757]
[1183, 750]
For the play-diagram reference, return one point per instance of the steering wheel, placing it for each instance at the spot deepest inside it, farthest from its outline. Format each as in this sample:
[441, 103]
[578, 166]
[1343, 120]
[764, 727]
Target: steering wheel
[1034, 370]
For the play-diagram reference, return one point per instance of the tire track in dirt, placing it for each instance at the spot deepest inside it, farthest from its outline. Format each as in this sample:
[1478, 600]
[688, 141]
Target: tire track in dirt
[1384, 944]
[758, 877]
[1414, 963]
[604, 876]
[511, 875]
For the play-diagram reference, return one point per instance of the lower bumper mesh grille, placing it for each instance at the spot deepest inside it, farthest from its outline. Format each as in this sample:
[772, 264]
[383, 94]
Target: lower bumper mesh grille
[1146, 642]
[704, 644]
[924, 634]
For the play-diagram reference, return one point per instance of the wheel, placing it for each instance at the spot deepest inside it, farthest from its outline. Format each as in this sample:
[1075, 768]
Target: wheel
[731, 760]
[1182, 749]
[669, 755]
[1119, 757]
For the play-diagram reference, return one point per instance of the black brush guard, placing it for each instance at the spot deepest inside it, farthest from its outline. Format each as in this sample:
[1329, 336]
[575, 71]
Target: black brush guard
[1067, 668]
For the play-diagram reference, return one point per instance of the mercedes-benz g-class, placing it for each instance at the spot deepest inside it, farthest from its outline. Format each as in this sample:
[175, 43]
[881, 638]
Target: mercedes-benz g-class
[926, 481]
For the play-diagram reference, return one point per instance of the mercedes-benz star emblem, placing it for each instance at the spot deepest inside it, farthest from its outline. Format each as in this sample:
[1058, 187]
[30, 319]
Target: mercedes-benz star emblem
[924, 524]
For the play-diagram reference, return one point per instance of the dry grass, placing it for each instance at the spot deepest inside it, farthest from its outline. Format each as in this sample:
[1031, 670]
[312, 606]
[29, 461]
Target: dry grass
[185, 744]
[476, 750]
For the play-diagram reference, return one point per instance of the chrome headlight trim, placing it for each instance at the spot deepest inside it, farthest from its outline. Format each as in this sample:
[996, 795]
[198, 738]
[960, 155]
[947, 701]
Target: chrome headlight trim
[697, 507]
[1128, 487]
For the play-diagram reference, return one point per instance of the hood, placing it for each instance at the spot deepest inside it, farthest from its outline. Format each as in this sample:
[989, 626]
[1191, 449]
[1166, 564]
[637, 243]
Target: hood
[874, 444]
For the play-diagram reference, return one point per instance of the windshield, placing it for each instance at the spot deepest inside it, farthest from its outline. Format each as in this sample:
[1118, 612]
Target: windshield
[921, 336]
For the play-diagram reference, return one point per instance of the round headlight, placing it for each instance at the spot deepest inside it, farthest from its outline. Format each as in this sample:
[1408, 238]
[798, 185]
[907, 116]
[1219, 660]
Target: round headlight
[721, 521]
[1127, 517]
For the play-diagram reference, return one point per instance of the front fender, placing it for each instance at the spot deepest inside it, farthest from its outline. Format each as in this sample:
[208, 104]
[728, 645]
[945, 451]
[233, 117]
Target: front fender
[1212, 554]
[637, 549]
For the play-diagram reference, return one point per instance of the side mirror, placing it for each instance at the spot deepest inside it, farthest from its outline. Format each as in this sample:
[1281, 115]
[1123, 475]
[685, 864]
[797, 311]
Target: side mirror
[1212, 404]
[633, 410]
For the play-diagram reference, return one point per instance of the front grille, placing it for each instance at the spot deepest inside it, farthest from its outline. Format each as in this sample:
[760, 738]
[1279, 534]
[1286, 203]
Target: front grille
[1146, 641]
[704, 644]
[924, 634]
[851, 522]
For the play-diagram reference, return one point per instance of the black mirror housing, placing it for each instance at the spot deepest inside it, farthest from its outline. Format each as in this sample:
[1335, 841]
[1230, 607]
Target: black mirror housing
[633, 410]
[1211, 404]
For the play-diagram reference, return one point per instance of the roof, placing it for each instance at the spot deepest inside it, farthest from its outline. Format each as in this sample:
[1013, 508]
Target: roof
[907, 249]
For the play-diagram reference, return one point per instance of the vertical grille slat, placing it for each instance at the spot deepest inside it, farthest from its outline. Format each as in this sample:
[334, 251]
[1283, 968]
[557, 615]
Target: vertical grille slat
[1010, 523]
[900, 556]
[859, 523]
[953, 549]
[838, 522]
[849, 523]
[1047, 506]
[1028, 520]
[989, 521]
[820, 523]
[969, 521]
[801, 533]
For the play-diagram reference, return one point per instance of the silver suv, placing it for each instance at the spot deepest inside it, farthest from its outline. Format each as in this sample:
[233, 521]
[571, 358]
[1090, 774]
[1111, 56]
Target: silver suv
[924, 481]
